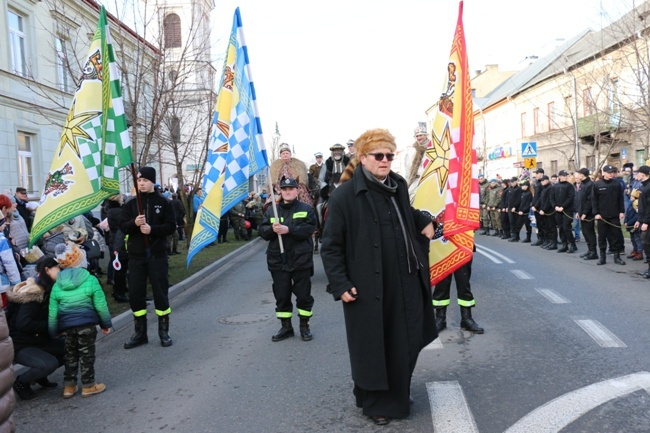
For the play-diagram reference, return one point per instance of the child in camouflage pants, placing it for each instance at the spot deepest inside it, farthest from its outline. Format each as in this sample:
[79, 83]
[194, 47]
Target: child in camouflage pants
[77, 306]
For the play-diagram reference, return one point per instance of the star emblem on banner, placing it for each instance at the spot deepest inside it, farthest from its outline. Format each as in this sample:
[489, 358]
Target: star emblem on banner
[438, 154]
[72, 129]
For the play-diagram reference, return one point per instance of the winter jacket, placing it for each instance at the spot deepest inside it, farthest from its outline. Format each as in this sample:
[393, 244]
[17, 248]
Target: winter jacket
[525, 202]
[160, 216]
[7, 399]
[27, 314]
[644, 203]
[298, 243]
[607, 200]
[113, 211]
[562, 195]
[18, 231]
[9, 272]
[586, 195]
[77, 299]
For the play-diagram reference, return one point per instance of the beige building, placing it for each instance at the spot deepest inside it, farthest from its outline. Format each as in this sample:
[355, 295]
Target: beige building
[584, 105]
[40, 41]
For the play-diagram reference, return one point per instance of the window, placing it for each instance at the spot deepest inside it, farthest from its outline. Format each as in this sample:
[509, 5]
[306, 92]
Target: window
[172, 29]
[523, 124]
[554, 167]
[535, 120]
[64, 79]
[588, 102]
[17, 43]
[551, 116]
[591, 162]
[568, 111]
[25, 161]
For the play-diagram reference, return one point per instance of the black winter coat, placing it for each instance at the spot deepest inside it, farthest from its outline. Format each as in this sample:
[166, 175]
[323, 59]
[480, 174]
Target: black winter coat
[298, 243]
[27, 314]
[562, 195]
[352, 256]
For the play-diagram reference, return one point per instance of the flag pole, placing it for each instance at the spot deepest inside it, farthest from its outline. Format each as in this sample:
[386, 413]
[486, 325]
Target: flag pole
[275, 206]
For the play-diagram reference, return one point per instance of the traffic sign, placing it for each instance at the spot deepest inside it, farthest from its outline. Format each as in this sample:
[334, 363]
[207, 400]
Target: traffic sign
[529, 149]
[530, 162]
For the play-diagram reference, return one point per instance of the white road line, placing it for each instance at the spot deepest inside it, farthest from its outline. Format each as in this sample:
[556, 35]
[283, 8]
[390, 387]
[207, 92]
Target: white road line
[434, 345]
[555, 415]
[489, 256]
[553, 297]
[599, 333]
[504, 258]
[522, 275]
[449, 410]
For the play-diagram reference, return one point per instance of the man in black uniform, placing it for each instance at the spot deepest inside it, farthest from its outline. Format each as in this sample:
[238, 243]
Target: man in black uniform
[643, 222]
[514, 197]
[562, 196]
[536, 189]
[548, 217]
[503, 206]
[147, 246]
[586, 214]
[609, 209]
[292, 270]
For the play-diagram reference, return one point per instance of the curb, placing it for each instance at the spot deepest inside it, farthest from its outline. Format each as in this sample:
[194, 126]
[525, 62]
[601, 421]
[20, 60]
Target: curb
[126, 318]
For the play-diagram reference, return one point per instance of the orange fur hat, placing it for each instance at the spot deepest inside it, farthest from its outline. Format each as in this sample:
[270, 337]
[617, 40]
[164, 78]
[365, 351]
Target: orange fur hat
[374, 139]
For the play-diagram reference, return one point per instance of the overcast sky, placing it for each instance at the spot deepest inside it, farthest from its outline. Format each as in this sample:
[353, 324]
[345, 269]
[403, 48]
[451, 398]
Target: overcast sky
[326, 71]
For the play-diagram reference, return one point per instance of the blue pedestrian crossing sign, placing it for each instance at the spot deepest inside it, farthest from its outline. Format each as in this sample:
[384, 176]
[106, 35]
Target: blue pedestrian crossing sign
[529, 150]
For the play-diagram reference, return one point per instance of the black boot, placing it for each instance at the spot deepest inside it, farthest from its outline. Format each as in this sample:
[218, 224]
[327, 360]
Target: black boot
[285, 332]
[552, 245]
[572, 248]
[538, 243]
[140, 336]
[305, 332]
[603, 257]
[163, 331]
[514, 238]
[546, 244]
[496, 233]
[618, 260]
[467, 323]
[591, 255]
[585, 254]
[564, 249]
[23, 390]
[441, 318]
[120, 297]
[527, 240]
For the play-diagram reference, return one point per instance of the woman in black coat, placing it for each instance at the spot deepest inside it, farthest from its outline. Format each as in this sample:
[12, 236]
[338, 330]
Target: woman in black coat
[27, 314]
[374, 252]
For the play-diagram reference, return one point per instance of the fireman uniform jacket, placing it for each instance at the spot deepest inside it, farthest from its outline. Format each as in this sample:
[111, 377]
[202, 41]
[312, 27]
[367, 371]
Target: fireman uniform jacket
[562, 195]
[160, 216]
[298, 243]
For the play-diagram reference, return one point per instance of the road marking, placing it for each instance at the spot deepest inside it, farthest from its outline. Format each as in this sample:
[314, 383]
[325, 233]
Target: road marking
[599, 333]
[449, 410]
[504, 258]
[522, 275]
[558, 413]
[434, 345]
[553, 297]
[489, 256]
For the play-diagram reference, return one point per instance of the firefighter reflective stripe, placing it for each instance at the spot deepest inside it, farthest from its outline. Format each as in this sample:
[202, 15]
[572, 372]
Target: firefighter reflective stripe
[273, 220]
[304, 313]
[464, 303]
[283, 314]
[140, 313]
[442, 303]
[163, 312]
[300, 215]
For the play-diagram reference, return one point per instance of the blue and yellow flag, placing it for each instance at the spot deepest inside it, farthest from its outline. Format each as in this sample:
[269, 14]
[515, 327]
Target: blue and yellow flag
[448, 188]
[94, 144]
[237, 149]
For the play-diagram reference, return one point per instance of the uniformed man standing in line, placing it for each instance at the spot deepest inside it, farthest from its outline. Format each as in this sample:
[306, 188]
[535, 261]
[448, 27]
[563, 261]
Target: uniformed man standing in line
[548, 215]
[292, 269]
[494, 197]
[643, 222]
[609, 210]
[503, 207]
[586, 215]
[483, 196]
[536, 188]
[562, 198]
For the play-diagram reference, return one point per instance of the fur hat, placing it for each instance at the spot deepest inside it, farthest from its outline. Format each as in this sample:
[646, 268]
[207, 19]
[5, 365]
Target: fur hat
[284, 147]
[375, 139]
[70, 256]
[148, 173]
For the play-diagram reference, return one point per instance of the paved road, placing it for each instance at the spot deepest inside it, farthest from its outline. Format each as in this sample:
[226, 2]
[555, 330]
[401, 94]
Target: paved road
[565, 350]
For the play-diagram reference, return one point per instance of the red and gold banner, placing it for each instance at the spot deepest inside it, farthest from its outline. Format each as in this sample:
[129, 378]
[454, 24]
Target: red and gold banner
[448, 188]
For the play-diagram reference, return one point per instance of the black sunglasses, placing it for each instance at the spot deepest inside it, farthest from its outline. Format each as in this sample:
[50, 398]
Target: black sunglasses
[380, 156]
